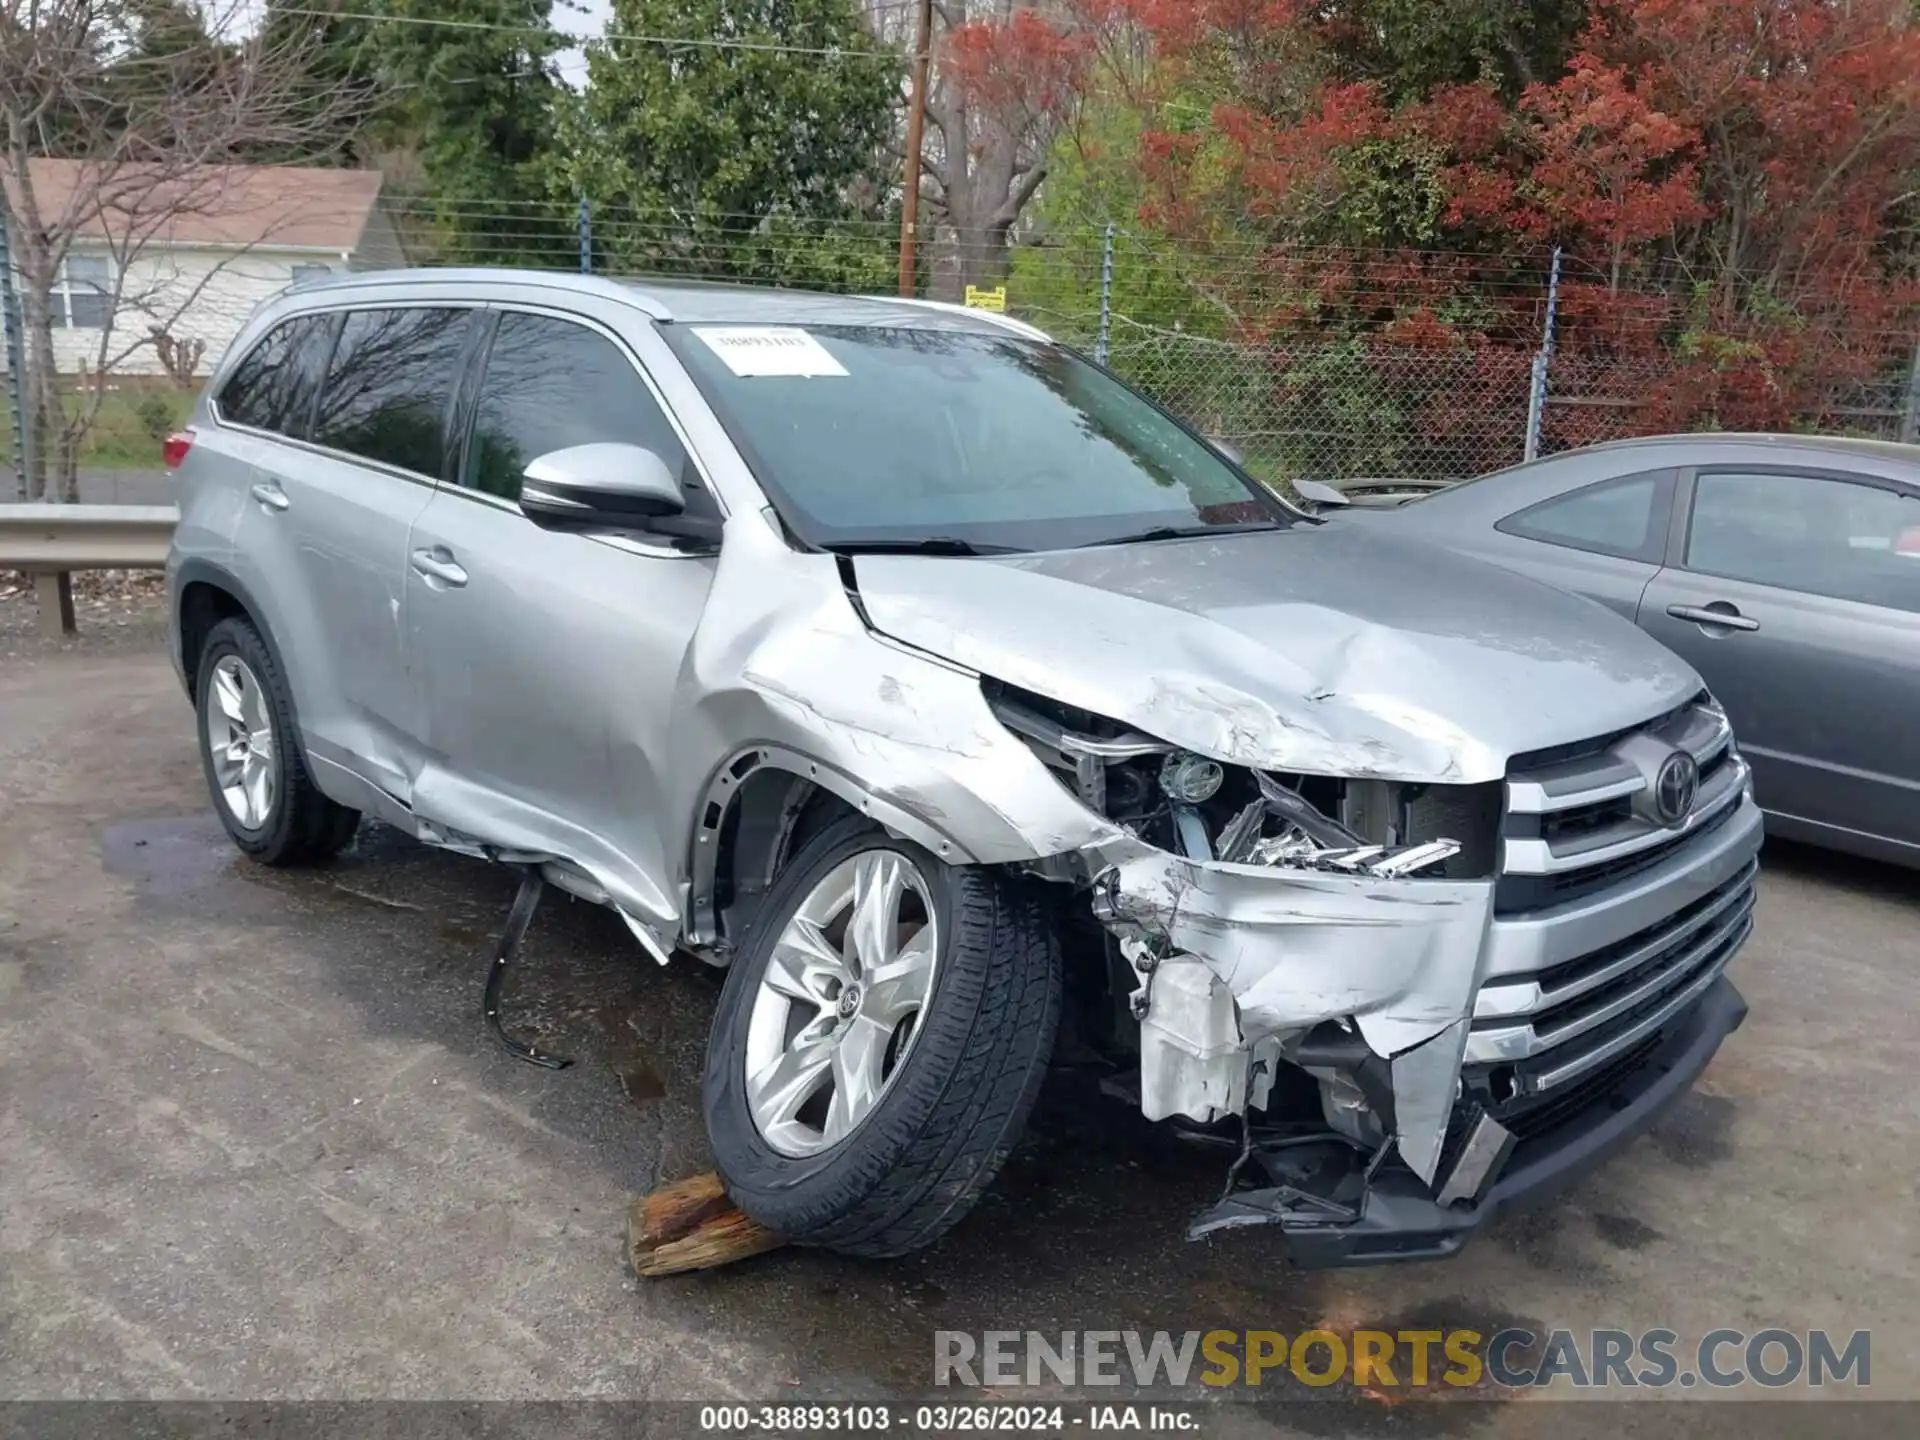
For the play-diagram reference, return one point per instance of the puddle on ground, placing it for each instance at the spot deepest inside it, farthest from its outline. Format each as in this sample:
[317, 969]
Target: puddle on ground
[640, 1085]
[170, 856]
[187, 865]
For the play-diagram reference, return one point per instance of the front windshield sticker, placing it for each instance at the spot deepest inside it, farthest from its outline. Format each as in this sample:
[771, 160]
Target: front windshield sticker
[753, 350]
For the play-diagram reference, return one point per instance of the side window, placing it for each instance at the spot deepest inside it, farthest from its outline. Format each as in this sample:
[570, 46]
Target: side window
[1625, 518]
[273, 387]
[1811, 533]
[550, 384]
[388, 386]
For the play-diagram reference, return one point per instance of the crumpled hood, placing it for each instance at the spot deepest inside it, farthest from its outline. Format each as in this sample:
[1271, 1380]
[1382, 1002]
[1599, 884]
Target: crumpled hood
[1315, 649]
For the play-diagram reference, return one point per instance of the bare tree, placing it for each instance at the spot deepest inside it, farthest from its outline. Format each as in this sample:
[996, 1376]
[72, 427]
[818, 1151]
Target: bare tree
[1006, 75]
[151, 103]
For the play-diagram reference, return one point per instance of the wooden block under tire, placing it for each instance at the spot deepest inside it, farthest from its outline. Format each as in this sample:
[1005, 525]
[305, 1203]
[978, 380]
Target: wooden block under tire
[691, 1225]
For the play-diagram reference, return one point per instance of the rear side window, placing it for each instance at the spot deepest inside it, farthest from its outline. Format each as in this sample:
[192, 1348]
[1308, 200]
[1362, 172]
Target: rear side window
[389, 384]
[1812, 533]
[273, 387]
[551, 384]
[1627, 518]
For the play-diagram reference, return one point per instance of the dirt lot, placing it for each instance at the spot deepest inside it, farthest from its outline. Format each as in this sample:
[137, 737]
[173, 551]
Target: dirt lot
[255, 1142]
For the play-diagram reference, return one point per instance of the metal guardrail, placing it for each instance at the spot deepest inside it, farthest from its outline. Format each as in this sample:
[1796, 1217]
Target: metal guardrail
[50, 542]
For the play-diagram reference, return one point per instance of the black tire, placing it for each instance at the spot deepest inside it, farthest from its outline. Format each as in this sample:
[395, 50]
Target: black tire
[960, 1100]
[302, 826]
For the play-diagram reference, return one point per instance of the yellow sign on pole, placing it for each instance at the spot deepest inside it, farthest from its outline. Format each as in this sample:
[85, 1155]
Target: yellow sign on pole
[994, 299]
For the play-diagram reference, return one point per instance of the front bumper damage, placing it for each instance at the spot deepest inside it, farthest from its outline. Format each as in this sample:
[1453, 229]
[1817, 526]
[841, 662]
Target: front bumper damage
[1391, 1216]
[1368, 984]
[1240, 963]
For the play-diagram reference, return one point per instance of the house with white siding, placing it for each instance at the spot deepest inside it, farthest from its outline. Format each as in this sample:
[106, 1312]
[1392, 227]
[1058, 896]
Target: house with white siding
[186, 275]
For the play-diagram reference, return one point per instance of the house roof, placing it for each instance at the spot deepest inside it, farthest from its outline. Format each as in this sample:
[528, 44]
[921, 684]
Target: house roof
[273, 206]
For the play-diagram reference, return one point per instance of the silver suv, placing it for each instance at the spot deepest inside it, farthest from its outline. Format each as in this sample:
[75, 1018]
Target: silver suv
[948, 693]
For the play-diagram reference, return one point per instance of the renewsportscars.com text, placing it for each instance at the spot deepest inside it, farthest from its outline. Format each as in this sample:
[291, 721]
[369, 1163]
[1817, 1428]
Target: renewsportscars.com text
[1402, 1359]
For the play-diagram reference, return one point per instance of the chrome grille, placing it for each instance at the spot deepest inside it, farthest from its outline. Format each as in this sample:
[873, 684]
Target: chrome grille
[1576, 826]
[1577, 823]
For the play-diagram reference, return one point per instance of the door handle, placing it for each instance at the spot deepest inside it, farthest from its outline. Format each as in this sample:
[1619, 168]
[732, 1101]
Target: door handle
[1719, 613]
[269, 494]
[438, 564]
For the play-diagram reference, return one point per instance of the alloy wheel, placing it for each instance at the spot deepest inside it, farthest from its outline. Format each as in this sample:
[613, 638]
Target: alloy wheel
[241, 741]
[836, 1010]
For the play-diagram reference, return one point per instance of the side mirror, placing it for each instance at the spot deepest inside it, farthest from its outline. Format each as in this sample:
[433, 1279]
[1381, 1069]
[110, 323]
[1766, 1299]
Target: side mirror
[608, 484]
[1319, 492]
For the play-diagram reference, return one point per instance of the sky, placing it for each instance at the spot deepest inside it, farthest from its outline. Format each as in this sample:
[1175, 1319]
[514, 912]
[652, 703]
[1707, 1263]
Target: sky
[583, 18]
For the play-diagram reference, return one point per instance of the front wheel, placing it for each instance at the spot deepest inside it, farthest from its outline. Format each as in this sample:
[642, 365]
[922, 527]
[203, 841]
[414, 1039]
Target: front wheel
[879, 1042]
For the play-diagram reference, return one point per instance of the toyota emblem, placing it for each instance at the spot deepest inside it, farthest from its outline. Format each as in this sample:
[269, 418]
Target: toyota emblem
[1674, 788]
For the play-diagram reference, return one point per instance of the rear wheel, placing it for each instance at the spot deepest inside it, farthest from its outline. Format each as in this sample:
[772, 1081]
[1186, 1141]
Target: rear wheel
[251, 754]
[879, 1042]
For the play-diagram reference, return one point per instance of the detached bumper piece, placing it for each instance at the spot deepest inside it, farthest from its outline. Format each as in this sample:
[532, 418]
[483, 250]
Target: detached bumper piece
[1339, 1208]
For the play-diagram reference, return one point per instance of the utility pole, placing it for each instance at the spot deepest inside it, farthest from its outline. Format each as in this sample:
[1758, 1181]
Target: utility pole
[916, 135]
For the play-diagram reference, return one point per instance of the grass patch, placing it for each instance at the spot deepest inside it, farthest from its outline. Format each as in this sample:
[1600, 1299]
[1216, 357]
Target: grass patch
[133, 419]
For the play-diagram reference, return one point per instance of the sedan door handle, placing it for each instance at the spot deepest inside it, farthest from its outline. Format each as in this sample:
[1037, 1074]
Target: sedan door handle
[438, 564]
[269, 494]
[1719, 613]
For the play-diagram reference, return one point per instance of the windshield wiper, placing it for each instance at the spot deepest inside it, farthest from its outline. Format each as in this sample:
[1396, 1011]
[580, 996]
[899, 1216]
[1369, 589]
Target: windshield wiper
[1179, 532]
[918, 545]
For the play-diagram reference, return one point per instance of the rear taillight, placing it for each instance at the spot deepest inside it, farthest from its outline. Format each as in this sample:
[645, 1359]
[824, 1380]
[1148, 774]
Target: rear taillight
[173, 450]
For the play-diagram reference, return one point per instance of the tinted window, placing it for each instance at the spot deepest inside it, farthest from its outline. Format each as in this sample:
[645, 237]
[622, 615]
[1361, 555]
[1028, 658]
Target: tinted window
[1808, 533]
[1626, 517]
[551, 384]
[886, 435]
[273, 388]
[387, 389]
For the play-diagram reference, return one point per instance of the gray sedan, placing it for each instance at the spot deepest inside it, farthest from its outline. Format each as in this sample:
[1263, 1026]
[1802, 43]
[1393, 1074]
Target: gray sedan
[1786, 569]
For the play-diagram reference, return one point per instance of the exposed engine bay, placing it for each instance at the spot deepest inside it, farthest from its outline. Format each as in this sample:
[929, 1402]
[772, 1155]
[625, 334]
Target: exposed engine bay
[1259, 918]
[1199, 808]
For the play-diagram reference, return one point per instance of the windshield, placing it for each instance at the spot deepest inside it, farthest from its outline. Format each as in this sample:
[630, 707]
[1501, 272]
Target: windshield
[866, 435]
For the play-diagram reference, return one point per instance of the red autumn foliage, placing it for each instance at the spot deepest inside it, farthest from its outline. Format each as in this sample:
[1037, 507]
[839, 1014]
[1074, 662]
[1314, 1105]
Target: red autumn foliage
[1731, 181]
[1602, 169]
[1016, 64]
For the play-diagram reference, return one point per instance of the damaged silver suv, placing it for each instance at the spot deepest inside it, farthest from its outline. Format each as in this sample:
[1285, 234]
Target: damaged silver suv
[947, 692]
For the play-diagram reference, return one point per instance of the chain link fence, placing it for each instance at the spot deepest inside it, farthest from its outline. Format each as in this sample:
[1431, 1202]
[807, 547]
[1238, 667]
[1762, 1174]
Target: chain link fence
[1337, 408]
[1320, 364]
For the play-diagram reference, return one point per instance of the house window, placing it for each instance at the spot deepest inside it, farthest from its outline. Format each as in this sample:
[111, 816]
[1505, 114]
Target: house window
[83, 296]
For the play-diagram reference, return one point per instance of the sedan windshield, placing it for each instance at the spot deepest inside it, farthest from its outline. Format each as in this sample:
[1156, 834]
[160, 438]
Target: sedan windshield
[870, 437]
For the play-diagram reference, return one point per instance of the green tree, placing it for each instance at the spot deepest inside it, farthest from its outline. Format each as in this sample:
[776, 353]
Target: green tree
[475, 105]
[1411, 47]
[342, 65]
[1093, 181]
[752, 158]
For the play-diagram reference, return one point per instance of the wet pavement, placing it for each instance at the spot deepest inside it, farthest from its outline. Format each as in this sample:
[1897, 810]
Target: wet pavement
[256, 1142]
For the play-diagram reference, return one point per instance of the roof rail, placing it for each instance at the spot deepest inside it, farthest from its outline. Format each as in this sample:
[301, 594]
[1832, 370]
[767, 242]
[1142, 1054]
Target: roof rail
[605, 287]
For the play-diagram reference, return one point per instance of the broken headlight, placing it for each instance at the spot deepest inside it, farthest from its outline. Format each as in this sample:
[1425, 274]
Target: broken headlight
[1196, 806]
